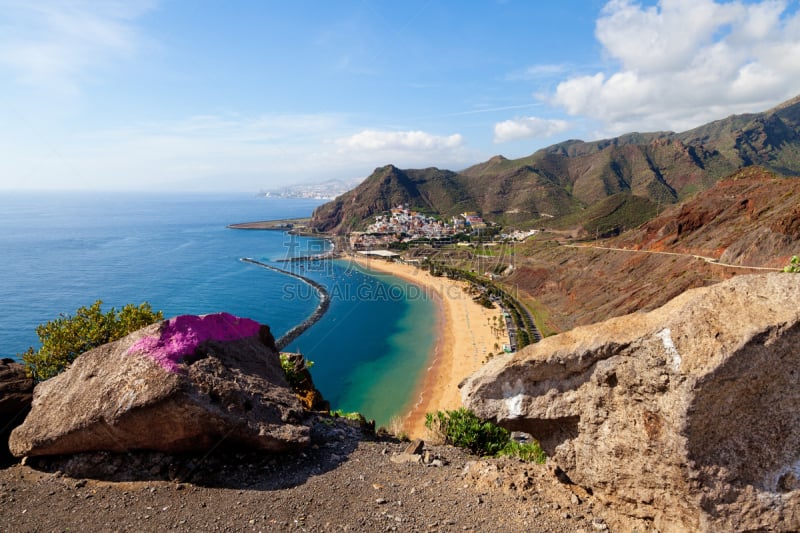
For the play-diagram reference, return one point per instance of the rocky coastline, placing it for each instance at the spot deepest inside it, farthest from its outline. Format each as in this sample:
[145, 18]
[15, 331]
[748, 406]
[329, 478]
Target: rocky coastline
[319, 312]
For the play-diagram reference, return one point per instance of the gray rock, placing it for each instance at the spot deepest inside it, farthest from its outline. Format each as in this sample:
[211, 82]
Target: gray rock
[401, 458]
[688, 415]
[184, 385]
[415, 447]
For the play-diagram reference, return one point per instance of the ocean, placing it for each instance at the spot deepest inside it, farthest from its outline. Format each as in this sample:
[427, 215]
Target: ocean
[63, 250]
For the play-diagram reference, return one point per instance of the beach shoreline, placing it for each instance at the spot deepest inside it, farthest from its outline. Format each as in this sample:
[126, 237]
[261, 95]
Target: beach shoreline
[464, 338]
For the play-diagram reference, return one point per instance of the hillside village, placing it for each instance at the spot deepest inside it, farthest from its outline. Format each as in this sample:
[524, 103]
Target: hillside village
[402, 224]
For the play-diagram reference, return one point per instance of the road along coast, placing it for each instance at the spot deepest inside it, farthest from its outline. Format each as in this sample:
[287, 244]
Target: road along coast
[465, 337]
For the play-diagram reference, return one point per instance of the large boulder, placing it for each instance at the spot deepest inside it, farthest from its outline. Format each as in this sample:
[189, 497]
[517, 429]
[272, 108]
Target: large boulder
[16, 394]
[688, 415]
[186, 384]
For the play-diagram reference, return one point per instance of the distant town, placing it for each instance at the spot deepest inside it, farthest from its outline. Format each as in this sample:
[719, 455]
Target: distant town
[327, 190]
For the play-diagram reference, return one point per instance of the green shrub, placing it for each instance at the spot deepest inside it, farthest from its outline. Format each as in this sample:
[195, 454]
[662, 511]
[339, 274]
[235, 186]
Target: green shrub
[66, 337]
[294, 368]
[463, 429]
[485, 301]
[527, 451]
[793, 266]
[348, 416]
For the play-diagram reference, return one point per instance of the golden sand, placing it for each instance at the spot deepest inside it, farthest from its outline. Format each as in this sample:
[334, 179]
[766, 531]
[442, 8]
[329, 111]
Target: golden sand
[467, 333]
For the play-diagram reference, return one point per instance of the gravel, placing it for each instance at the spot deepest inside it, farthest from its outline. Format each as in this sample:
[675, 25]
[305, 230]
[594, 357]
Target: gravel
[346, 481]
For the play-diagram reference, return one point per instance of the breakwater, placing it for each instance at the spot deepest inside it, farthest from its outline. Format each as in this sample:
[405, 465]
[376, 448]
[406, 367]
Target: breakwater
[324, 304]
[286, 224]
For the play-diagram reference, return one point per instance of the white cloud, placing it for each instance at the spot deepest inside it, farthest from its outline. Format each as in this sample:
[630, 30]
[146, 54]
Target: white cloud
[51, 42]
[537, 72]
[528, 127]
[372, 148]
[659, 38]
[685, 62]
[400, 141]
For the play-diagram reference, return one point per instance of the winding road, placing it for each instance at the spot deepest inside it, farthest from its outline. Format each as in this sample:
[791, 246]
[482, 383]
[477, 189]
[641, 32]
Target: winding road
[700, 257]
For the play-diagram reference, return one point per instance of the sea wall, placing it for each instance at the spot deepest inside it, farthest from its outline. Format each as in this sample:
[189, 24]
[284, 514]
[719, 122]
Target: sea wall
[322, 308]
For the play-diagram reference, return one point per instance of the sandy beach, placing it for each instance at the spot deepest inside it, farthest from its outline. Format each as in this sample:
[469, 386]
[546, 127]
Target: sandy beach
[465, 338]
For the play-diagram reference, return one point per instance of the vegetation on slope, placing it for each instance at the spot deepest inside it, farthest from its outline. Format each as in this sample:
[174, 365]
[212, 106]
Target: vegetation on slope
[429, 190]
[611, 216]
[464, 429]
[66, 337]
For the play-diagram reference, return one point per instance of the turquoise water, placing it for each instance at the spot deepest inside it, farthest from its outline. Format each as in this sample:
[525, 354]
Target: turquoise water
[372, 344]
[59, 251]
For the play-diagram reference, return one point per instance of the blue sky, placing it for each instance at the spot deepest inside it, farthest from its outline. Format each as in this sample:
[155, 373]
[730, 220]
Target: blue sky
[250, 95]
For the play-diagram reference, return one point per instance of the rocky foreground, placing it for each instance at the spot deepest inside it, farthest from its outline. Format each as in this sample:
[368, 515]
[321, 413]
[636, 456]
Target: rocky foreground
[684, 418]
[232, 448]
[345, 481]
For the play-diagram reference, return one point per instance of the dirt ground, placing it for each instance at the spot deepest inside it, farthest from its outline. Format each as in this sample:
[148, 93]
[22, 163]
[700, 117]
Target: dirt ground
[348, 480]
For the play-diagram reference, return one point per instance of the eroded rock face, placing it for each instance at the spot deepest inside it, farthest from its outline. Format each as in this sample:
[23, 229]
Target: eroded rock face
[184, 385]
[16, 394]
[688, 415]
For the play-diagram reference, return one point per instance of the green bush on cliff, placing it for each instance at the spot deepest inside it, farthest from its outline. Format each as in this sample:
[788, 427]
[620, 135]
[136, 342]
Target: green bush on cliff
[793, 266]
[527, 451]
[66, 337]
[464, 429]
[294, 368]
[351, 415]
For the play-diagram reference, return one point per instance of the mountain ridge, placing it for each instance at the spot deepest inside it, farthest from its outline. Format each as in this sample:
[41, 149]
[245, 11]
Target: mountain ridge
[569, 177]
